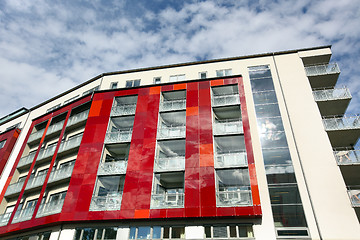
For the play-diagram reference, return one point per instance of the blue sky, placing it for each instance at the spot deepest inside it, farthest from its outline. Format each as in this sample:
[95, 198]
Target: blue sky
[47, 47]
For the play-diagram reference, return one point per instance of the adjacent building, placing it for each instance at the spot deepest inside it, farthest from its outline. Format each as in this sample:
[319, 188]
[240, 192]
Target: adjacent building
[252, 147]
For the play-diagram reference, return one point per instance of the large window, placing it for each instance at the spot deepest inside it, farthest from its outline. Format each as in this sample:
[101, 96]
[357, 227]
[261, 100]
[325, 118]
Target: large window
[108, 233]
[132, 83]
[157, 232]
[225, 232]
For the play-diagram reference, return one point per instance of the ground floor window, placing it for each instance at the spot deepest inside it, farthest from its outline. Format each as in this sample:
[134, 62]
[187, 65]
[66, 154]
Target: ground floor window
[96, 233]
[228, 231]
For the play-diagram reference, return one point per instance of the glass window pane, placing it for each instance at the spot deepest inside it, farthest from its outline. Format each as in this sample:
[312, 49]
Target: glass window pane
[207, 231]
[110, 233]
[88, 234]
[136, 83]
[273, 140]
[265, 97]
[291, 232]
[289, 216]
[178, 232]
[156, 232]
[77, 234]
[220, 231]
[280, 174]
[129, 83]
[284, 194]
[132, 233]
[259, 72]
[267, 110]
[166, 232]
[143, 233]
[99, 234]
[262, 84]
[107, 185]
[243, 231]
[232, 231]
[277, 156]
[273, 124]
[232, 179]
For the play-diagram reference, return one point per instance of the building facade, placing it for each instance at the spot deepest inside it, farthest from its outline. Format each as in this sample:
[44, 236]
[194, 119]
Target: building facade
[253, 147]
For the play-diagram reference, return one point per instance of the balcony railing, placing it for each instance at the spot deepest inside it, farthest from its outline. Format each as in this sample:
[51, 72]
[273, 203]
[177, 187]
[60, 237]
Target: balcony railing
[221, 100]
[46, 152]
[170, 163]
[228, 127]
[332, 94]
[171, 132]
[109, 168]
[354, 196]
[77, 118]
[233, 198]
[121, 110]
[235, 159]
[14, 188]
[106, 203]
[23, 214]
[71, 143]
[4, 218]
[36, 135]
[26, 160]
[342, 123]
[322, 69]
[35, 181]
[118, 136]
[50, 208]
[173, 105]
[167, 200]
[346, 157]
[61, 173]
[55, 127]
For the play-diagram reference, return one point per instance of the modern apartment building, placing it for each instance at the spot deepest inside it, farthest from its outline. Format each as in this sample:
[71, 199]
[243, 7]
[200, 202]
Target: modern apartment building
[252, 147]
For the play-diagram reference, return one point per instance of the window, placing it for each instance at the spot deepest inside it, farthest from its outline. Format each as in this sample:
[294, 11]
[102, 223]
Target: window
[154, 232]
[71, 99]
[226, 232]
[177, 78]
[13, 126]
[113, 85]
[224, 72]
[53, 108]
[132, 83]
[2, 143]
[108, 233]
[91, 90]
[157, 80]
[57, 197]
[202, 75]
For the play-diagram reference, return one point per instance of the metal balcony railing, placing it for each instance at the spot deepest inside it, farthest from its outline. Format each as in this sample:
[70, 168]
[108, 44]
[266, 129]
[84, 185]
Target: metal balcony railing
[106, 203]
[120, 110]
[71, 143]
[354, 196]
[4, 219]
[35, 181]
[61, 173]
[118, 136]
[220, 100]
[167, 200]
[26, 160]
[23, 214]
[342, 123]
[233, 198]
[170, 164]
[50, 208]
[46, 152]
[116, 167]
[77, 118]
[173, 105]
[55, 127]
[14, 188]
[322, 69]
[331, 94]
[228, 127]
[36, 135]
[171, 132]
[234, 159]
[346, 157]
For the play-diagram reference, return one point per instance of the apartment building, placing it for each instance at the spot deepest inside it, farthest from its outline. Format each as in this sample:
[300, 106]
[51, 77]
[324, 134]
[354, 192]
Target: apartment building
[252, 147]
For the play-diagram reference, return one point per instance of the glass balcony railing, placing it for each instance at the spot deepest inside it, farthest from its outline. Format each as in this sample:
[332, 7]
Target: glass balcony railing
[4, 218]
[118, 136]
[170, 164]
[235, 159]
[173, 105]
[221, 100]
[46, 152]
[322, 69]
[106, 203]
[23, 214]
[79, 117]
[342, 123]
[61, 173]
[50, 208]
[14, 188]
[71, 143]
[345, 157]
[228, 127]
[55, 127]
[35, 181]
[171, 132]
[36, 135]
[116, 167]
[332, 94]
[233, 198]
[26, 159]
[120, 110]
[354, 196]
[167, 200]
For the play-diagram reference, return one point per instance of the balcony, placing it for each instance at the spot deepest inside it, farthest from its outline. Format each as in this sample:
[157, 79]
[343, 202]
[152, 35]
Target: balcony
[71, 143]
[77, 118]
[228, 127]
[50, 208]
[347, 157]
[224, 100]
[23, 214]
[106, 203]
[233, 198]
[343, 131]
[46, 152]
[118, 136]
[14, 188]
[36, 136]
[323, 75]
[53, 128]
[61, 173]
[332, 102]
[231, 159]
[166, 132]
[173, 105]
[354, 195]
[35, 181]
[111, 168]
[121, 110]
[167, 200]
[170, 164]
[4, 219]
[26, 160]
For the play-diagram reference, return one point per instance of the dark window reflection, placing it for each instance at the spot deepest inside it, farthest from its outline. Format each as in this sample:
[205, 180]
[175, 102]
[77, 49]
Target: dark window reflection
[288, 194]
[280, 174]
[289, 216]
[262, 84]
[232, 179]
[276, 156]
[265, 97]
[267, 110]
